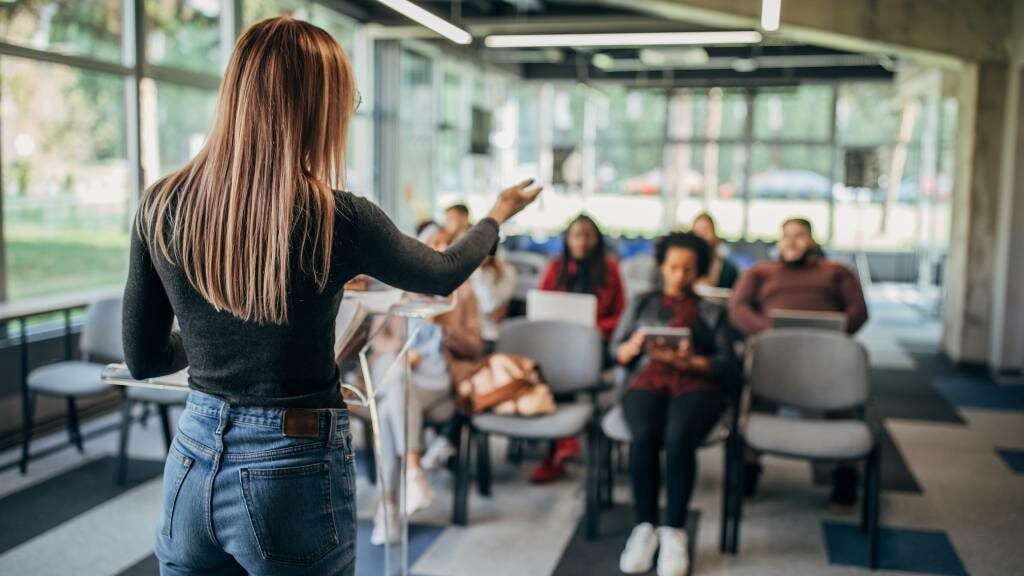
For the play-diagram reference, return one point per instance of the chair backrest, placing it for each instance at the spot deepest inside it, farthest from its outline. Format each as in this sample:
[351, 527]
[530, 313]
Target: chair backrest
[101, 336]
[807, 368]
[569, 355]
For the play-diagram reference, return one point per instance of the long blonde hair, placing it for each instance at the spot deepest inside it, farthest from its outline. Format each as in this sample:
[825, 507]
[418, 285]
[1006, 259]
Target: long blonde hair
[274, 156]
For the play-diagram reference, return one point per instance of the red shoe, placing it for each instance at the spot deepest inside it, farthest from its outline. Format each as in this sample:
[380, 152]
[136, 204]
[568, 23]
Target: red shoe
[547, 471]
[566, 449]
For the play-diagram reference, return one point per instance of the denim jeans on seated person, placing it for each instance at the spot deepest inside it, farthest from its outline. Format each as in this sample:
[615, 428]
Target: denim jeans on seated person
[241, 497]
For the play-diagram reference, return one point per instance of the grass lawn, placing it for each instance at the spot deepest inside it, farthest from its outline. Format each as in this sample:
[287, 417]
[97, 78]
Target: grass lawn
[43, 261]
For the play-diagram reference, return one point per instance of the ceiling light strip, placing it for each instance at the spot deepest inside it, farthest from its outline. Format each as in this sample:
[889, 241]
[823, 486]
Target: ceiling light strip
[771, 11]
[429, 20]
[627, 39]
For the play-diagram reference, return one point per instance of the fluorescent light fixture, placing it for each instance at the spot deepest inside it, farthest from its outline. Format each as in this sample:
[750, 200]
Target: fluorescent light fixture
[429, 20]
[744, 65]
[603, 61]
[627, 39]
[770, 12]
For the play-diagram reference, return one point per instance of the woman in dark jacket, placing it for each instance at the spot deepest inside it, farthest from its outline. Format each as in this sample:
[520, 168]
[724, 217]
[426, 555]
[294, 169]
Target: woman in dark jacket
[675, 397]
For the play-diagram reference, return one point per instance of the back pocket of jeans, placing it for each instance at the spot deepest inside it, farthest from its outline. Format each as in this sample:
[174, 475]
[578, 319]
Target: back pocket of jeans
[291, 511]
[175, 470]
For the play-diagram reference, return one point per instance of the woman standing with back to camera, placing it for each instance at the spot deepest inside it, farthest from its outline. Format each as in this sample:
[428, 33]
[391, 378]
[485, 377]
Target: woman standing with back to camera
[250, 245]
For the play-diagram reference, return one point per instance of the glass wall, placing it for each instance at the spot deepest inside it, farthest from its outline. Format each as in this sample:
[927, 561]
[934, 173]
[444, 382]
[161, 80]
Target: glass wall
[752, 157]
[73, 156]
[66, 177]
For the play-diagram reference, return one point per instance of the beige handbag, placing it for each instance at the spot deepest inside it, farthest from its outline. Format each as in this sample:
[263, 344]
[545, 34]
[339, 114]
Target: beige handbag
[508, 385]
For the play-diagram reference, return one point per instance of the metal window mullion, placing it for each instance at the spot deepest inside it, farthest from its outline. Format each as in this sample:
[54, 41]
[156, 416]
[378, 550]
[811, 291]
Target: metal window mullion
[230, 21]
[17, 51]
[3, 240]
[182, 77]
[748, 144]
[133, 53]
[832, 165]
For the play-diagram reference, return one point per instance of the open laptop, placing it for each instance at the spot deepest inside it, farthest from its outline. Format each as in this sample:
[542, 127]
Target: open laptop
[562, 307]
[835, 321]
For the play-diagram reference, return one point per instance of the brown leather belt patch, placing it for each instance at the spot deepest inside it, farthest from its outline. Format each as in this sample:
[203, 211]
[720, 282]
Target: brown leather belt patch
[301, 423]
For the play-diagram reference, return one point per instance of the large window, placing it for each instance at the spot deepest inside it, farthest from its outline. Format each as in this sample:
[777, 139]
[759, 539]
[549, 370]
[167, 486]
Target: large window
[751, 157]
[185, 34]
[416, 141]
[706, 165]
[73, 147]
[75, 27]
[175, 123]
[65, 177]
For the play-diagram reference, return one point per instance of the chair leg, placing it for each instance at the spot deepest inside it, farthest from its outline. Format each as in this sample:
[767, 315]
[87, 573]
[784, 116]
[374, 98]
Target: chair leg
[737, 497]
[122, 451]
[165, 424]
[371, 456]
[460, 502]
[28, 410]
[514, 451]
[727, 495]
[875, 473]
[593, 507]
[144, 417]
[74, 431]
[865, 505]
[607, 473]
[483, 463]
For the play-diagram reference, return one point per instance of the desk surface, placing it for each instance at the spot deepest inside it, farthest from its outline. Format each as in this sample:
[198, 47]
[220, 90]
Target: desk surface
[23, 308]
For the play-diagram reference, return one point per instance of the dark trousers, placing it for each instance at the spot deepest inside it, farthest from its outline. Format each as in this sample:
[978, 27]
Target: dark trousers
[679, 424]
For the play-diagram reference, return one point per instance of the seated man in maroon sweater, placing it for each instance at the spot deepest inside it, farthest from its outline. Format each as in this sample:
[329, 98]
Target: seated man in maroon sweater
[802, 279]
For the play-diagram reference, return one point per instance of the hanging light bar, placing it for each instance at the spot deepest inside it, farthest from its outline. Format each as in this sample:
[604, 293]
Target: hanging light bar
[626, 39]
[429, 20]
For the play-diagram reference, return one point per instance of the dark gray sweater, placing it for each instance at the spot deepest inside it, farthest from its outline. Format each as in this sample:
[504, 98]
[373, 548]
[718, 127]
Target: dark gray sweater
[281, 365]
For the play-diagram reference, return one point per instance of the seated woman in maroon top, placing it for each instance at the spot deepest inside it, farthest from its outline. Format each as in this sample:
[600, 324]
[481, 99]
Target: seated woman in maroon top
[675, 397]
[584, 268]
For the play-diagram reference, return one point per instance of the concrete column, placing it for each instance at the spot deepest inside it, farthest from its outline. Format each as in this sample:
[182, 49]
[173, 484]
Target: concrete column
[1006, 356]
[970, 273]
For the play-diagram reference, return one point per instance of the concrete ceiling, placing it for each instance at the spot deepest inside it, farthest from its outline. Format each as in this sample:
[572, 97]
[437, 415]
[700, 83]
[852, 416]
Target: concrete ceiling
[777, 60]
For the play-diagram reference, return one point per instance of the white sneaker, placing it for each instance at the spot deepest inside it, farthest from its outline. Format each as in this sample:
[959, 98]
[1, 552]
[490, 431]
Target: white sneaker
[418, 493]
[385, 532]
[674, 559]
[638, 556]
[437, 454]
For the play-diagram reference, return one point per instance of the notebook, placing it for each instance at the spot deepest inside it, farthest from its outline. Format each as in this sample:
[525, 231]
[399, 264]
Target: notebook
[562, 307]
[835, 321]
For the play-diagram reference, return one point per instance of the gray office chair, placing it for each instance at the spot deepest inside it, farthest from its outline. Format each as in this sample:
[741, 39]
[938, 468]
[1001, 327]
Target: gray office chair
[163, 400]
[569, 357]
[813, 371]
[74, 379]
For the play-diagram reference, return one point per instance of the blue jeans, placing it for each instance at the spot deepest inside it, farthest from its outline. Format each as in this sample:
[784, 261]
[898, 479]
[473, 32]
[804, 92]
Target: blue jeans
[241, 497]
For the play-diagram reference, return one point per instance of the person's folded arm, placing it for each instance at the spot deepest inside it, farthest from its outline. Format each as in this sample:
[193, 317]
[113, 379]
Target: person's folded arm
[151, 348]
[853, 301]
[406, 263]
[743, 313]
